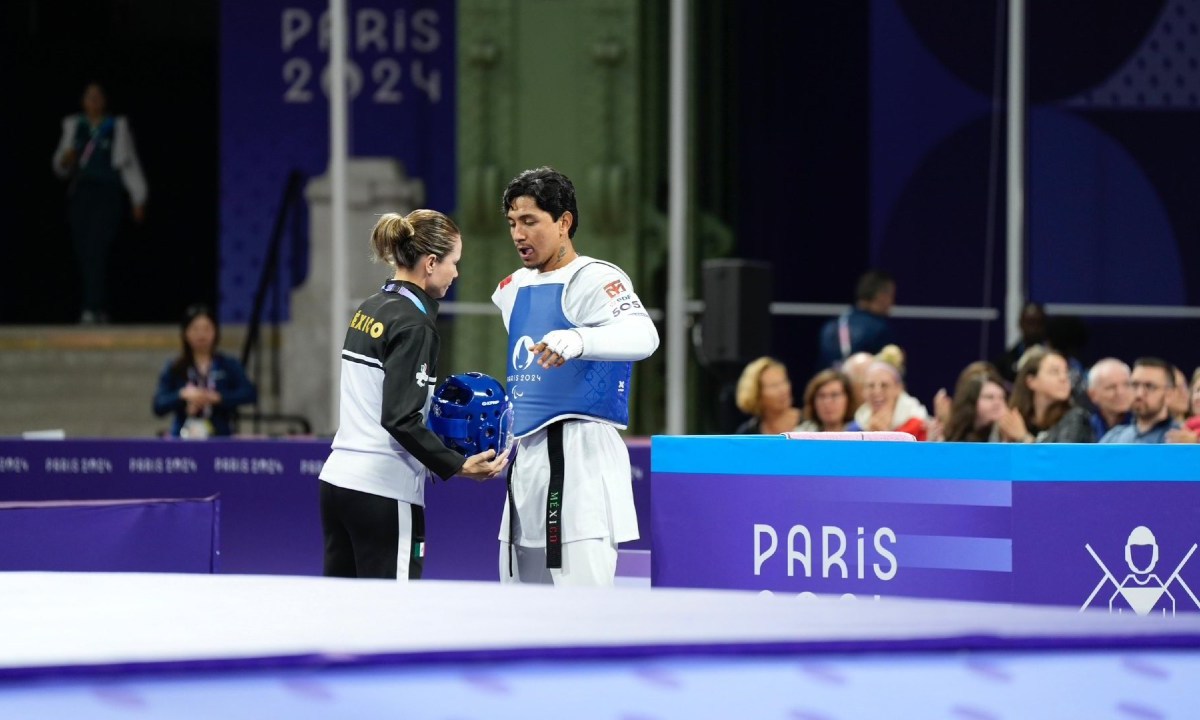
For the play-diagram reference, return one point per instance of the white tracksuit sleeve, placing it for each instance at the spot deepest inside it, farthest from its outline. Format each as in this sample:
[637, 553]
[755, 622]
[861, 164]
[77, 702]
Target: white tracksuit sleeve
[64, 144]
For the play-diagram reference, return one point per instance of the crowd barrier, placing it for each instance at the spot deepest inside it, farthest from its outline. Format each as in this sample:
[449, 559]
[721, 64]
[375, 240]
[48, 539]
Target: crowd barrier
[1099, 526]
[268, 489]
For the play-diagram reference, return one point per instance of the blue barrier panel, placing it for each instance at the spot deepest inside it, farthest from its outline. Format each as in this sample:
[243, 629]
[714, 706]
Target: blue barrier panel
[1112, 526]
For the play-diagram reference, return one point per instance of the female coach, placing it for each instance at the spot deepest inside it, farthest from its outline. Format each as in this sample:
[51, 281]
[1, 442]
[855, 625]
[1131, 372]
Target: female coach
[373, 489]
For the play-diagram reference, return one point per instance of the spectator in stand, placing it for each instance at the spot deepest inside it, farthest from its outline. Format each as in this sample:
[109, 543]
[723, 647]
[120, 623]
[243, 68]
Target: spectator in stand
[202, 388]
[942, 401]
[1109, 391]
[96, 154]
[1190, 432]
[828, 403]
[1033, 333]
[1179, 399]
[1152, 381]
[855, 368]
[1041, 408]
[886, 405]
[1067, 335]
[980, 400]
[863, 328]
[764, 392]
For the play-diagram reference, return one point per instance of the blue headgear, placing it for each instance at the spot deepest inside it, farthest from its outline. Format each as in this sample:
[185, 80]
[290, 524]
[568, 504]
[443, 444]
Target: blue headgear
[471, 413]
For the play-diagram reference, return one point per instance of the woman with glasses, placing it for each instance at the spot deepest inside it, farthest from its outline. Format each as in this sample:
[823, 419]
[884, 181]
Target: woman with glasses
[829, 403]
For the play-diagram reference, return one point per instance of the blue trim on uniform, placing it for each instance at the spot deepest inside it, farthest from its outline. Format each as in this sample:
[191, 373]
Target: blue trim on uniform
[777, 455]
[393, 286]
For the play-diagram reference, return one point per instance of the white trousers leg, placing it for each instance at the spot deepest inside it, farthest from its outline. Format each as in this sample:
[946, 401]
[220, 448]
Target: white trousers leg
[590, 563]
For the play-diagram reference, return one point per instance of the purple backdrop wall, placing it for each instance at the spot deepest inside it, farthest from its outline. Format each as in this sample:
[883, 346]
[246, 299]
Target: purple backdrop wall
[275, 116]
[270, 520]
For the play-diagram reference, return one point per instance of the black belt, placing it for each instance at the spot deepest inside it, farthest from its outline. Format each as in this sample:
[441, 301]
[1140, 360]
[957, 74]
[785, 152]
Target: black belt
[554, 496]
[554, 448]
[512, 516]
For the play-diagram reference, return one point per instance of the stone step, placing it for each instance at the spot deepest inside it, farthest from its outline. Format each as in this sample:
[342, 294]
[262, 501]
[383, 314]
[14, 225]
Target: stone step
[90, 381]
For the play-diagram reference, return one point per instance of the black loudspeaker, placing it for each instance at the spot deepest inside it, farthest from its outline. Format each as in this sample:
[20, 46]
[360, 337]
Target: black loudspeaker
[737, 317]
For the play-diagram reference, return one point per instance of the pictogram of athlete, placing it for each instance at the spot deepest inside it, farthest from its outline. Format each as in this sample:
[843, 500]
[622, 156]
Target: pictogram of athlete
[1141, 591]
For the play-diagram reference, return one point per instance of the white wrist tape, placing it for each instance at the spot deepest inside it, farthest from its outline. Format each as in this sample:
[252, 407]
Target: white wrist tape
[567, 343]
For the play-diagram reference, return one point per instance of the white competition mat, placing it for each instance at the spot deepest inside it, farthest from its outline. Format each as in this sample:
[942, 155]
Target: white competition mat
[125, 645]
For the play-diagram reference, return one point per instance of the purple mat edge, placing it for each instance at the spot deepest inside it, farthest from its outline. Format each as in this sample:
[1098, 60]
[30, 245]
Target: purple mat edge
[423, 659]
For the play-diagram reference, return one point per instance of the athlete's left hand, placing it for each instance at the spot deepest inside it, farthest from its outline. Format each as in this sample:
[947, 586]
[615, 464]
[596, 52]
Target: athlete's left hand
[557, 347]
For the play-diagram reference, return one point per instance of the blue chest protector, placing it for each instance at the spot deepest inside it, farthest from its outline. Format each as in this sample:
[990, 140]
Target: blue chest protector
[580, 388]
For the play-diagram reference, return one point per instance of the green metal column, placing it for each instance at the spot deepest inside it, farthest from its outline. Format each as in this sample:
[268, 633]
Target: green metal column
[576, 85]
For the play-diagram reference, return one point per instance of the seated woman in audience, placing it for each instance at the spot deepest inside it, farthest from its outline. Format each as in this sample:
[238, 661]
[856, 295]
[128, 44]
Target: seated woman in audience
[942, 401]
[1041, 408]
[202, 387]
[828, 403]
[886, 405]
[1193, 422]
[1179, 398]
[980, 400]
[765, 394]
[1190, 432]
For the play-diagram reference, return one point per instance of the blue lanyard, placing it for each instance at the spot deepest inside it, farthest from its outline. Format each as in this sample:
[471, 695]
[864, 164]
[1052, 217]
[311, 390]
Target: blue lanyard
[394, 286]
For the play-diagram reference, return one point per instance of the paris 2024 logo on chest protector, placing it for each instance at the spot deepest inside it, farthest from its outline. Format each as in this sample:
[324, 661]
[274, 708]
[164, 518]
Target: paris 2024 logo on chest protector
[1142, 591]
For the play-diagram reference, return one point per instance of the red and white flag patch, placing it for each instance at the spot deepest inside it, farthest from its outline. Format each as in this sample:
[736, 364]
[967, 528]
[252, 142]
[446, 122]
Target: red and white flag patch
[614, 288]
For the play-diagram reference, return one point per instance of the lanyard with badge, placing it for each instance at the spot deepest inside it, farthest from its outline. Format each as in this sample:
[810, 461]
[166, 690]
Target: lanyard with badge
[394, 286]
[98, 132]
[200, 426]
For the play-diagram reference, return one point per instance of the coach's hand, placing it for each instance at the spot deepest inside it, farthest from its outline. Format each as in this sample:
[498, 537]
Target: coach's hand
[557, 347]
[485, 465]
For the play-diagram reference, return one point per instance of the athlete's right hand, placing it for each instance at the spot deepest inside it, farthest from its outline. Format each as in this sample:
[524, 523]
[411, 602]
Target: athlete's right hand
[485, 465]
[557, 347]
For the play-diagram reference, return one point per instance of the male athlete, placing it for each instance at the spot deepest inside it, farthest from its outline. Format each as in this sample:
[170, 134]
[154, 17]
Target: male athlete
[575, 326]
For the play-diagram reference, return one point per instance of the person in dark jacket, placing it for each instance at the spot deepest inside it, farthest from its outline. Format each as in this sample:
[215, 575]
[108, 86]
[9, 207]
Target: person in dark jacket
[1041, 409]
[1033, 333]
[202, 388]
[863, 328]
[373, 484]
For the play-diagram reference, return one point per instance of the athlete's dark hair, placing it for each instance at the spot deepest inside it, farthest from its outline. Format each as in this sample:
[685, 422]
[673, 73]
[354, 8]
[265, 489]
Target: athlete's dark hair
[550, 189]
[1153, 362]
